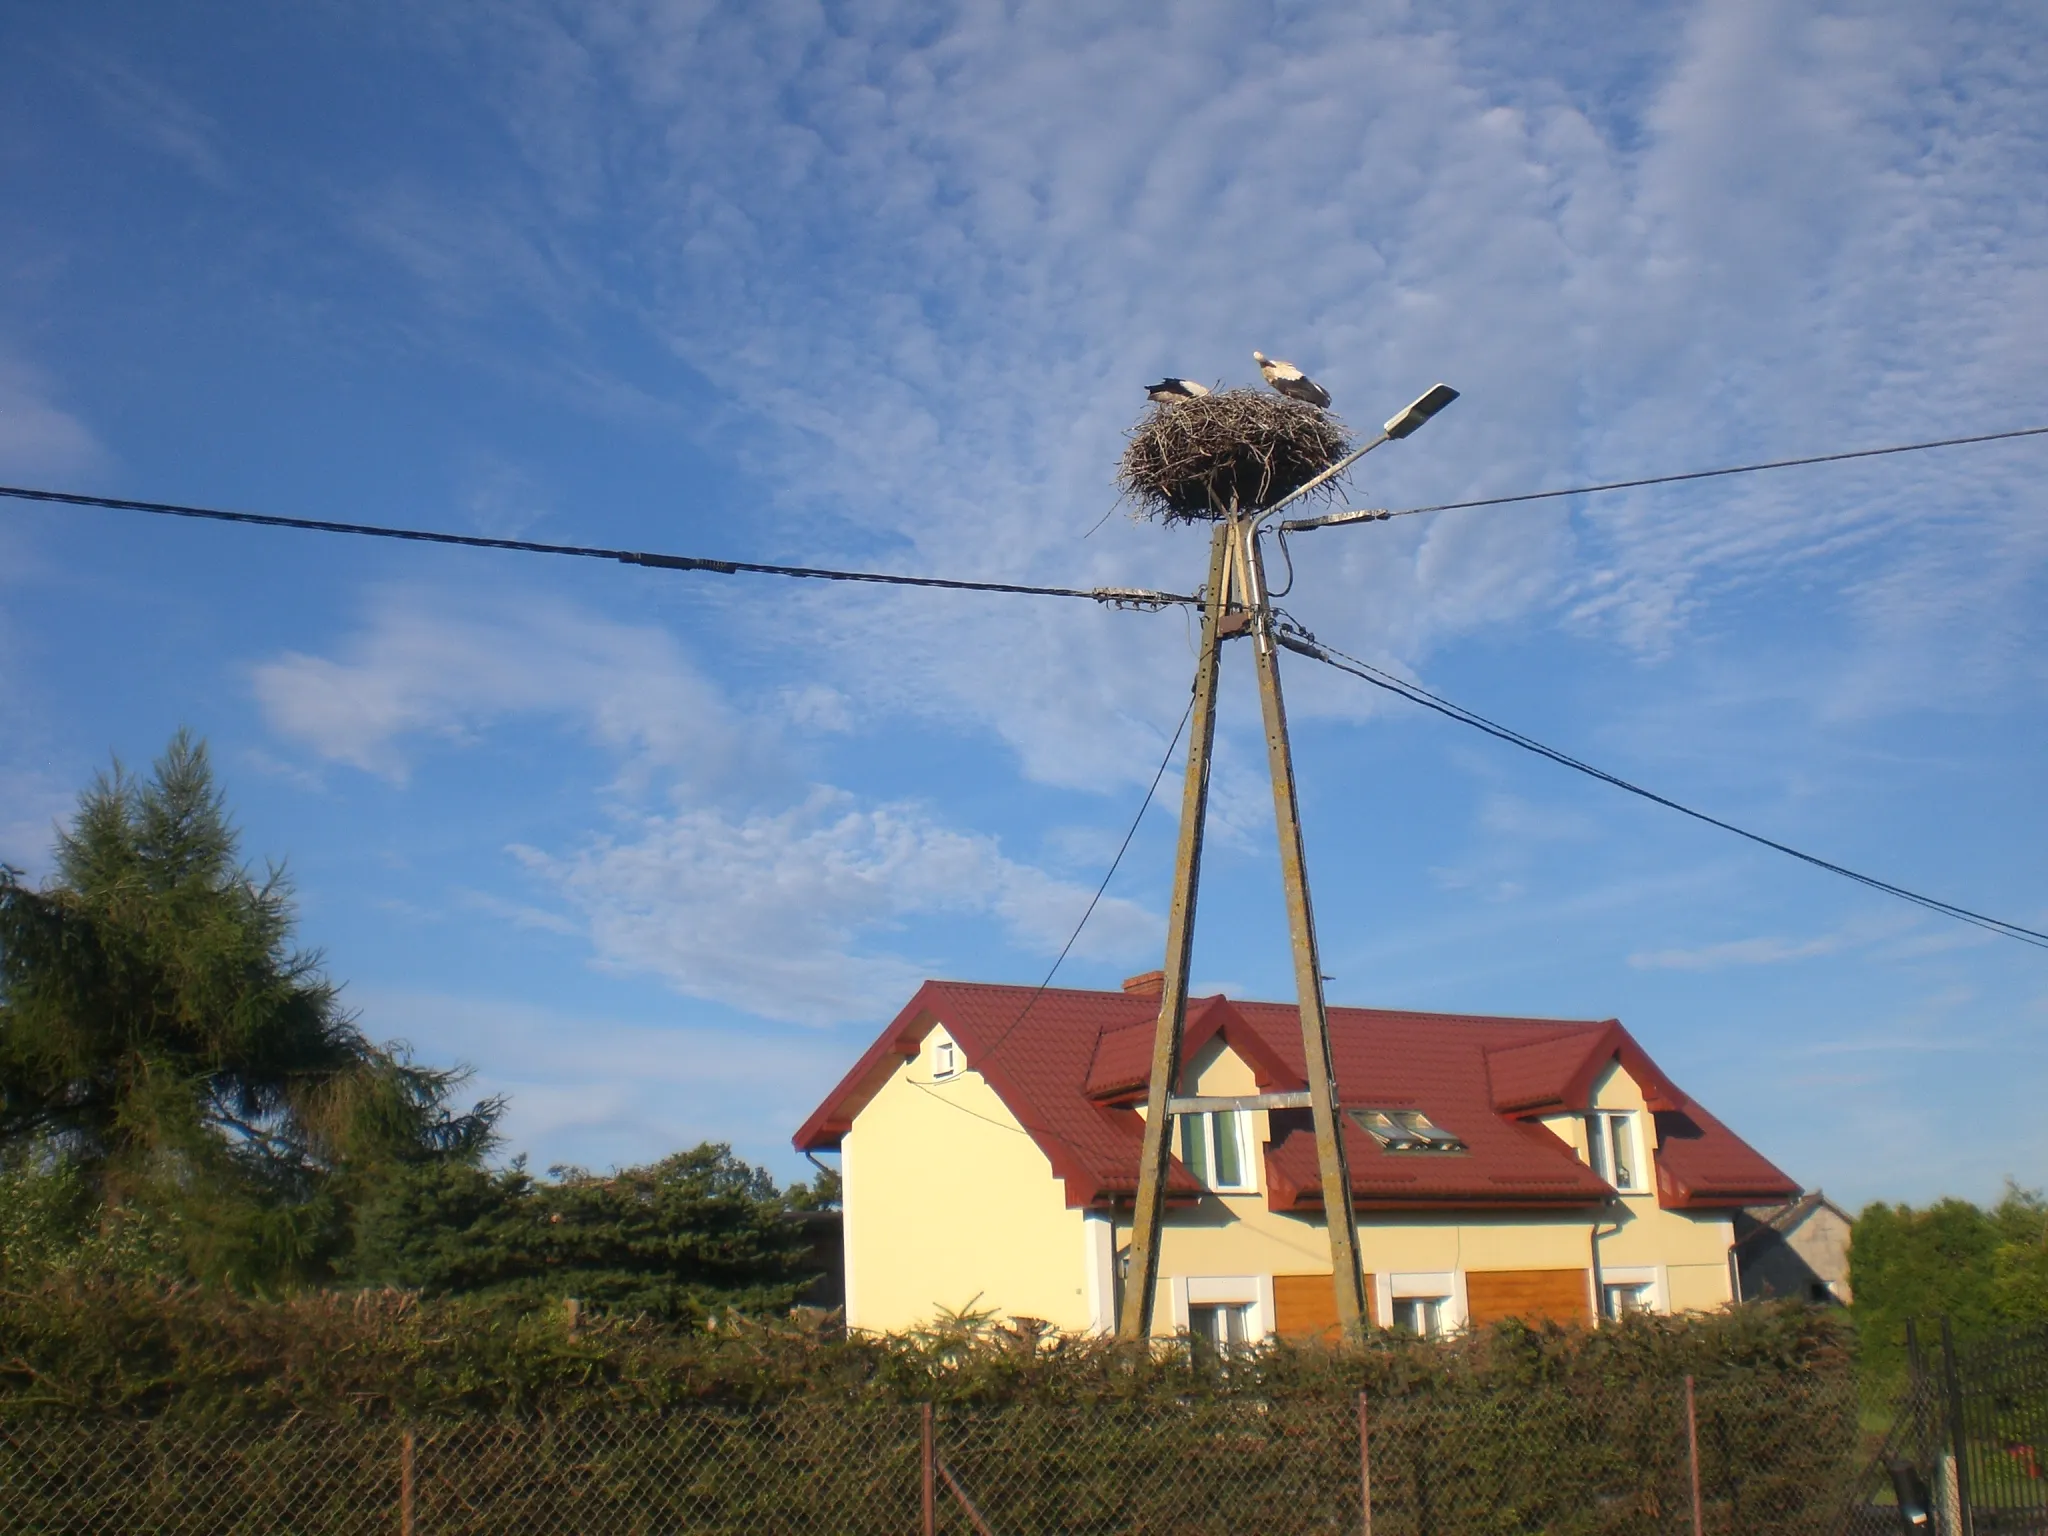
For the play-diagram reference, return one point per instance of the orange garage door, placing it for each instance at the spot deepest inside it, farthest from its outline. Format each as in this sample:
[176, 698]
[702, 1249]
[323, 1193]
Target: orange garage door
[1304, 1307]
[1530, 1294]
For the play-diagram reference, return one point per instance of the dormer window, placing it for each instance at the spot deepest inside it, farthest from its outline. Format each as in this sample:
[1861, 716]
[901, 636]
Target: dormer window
[1615, 1149]
[1212, 1145]
[1405, 1130]
[945, 1059]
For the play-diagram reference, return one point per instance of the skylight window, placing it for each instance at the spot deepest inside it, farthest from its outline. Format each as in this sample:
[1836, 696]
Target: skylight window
[1405, 1130]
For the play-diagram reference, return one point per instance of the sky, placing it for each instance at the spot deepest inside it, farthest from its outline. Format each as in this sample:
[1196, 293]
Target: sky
[879, 285]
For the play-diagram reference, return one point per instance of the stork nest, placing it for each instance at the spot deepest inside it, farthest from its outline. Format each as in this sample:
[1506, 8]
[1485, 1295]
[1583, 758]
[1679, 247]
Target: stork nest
[1243, 448]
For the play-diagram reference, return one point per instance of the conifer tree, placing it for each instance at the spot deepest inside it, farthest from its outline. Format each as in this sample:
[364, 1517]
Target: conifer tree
[160, 1032]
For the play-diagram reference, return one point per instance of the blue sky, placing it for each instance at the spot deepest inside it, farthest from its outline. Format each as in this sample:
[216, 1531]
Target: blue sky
[879, 284]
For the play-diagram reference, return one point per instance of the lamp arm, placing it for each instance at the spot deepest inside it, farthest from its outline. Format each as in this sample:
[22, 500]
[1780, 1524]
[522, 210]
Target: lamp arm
[1324, 478]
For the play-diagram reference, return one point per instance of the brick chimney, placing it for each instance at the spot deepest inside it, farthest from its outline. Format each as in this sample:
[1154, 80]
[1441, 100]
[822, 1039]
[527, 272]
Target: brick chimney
[1150, 984]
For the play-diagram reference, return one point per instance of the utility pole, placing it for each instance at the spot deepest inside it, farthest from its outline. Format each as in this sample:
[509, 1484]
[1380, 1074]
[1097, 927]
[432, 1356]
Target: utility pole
[1236, 602]
[1134, 1321]
[1346, 1271]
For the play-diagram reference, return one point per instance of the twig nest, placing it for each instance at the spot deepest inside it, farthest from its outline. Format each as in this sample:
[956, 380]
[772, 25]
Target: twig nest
[1197, 458]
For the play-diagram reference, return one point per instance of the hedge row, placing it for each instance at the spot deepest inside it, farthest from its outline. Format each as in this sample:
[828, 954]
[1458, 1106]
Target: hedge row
[93, 1350]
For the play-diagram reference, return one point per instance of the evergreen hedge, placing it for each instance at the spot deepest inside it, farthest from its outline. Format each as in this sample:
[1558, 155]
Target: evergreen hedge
[105, 1348]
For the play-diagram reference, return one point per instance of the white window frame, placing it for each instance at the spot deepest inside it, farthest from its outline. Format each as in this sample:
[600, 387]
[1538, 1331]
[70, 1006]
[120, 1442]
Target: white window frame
[1252, 1292]
[945, 1059]
[1601, 1127]
[1441, 1287]
[1240, 1120]
[1643, 1278]
[1436, 1321]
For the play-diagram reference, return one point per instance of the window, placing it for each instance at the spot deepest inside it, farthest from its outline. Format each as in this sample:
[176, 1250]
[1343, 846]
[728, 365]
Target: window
[1405, 1130]
[1212, 1144]
[1422, 1316]
[1616, 1154]
[1618, 1301]
[1221, 1325]
[945, 1058]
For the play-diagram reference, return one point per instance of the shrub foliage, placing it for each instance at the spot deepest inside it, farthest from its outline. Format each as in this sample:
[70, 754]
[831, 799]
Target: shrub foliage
[135, 1349]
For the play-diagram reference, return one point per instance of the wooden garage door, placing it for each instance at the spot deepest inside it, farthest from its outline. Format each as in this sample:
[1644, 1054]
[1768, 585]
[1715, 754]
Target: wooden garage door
[1530, 1294]
[1304, 1307]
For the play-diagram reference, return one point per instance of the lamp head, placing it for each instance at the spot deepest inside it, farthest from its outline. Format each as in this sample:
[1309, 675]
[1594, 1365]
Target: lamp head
[1416, 414]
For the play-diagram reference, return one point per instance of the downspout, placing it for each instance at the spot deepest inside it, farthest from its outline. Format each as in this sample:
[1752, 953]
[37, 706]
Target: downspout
[1599, 1315]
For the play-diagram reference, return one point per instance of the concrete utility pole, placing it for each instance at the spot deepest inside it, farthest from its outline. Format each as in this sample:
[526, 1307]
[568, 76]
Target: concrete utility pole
[1134, 1320]
[1236, 603]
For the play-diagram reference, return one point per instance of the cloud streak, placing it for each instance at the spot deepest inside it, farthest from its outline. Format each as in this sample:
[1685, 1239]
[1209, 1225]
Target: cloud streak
[757, 891]
[426, 666]
[929, 260]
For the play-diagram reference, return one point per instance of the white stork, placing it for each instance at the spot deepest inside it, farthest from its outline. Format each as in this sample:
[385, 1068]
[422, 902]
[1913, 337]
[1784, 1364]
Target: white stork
[1167, 391]
[1291, 381]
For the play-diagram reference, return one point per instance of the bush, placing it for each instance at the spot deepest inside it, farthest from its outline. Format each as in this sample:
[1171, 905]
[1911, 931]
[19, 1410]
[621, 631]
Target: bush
[78, 1348]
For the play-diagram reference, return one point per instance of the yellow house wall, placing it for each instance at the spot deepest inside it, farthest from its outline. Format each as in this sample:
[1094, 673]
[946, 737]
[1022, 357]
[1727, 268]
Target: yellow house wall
[1687, 1249]
[950, 1204]
[1237, 1235]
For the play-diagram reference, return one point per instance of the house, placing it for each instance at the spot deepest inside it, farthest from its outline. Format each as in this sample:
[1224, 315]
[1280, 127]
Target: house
[1800, 1249]
[1543, 1168]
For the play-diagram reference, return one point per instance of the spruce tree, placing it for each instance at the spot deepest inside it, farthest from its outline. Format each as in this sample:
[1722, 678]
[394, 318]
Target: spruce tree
[161, 1032]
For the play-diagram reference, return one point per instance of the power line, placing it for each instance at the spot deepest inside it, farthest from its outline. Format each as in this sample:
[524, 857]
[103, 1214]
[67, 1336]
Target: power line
[1023, 1126]
[1122, 848]
[1300, 640]
[1121, 597]
[1379, 515]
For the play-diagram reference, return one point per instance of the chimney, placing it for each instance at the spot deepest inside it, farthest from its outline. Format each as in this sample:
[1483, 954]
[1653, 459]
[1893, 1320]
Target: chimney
[1151, 984]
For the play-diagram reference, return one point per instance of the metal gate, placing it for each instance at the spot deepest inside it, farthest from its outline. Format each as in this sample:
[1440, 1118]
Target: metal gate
[1967, 1452]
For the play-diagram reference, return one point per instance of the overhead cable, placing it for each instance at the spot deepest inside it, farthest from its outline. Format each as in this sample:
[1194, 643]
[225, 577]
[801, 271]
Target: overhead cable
[1380, 515]
[988, 1052]
[1122, 848]
[1118, 597]
[1300, 640]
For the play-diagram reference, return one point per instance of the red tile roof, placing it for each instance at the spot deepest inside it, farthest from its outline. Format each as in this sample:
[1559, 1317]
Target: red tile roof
[1069, 1064]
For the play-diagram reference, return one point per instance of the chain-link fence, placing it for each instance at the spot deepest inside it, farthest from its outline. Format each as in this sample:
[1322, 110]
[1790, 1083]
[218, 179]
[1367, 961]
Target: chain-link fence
[1967, 1451]
[1748, 1456]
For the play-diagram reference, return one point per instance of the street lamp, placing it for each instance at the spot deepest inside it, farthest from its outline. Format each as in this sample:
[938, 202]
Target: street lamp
[1439, 396]
[1404, 422]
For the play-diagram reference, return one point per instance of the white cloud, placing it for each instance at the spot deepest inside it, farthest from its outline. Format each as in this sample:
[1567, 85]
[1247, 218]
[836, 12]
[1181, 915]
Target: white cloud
[151, 113]
[767, 911]
[929, 259]
[1887, 933]
[38, 439]
[427, 665]
[32, 806]
[757, 890]
[602, 1091]
[1767, 950]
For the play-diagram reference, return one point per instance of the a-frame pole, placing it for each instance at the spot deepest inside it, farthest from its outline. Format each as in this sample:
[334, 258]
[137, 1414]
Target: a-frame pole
[1141, 1277]
[1347, 1272]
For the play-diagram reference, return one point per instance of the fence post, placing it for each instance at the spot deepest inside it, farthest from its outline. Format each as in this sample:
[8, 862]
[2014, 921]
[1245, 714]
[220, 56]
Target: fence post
[1958, 1431]
[405, 1483]
[1364, 1473]
[1692, 1453]
[930, 1488]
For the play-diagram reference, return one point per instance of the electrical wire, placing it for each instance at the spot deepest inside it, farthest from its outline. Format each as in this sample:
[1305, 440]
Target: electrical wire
[1123, 597]
[1122, 848]
[1301, 525]
[989, 1051]
[1301, 641]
